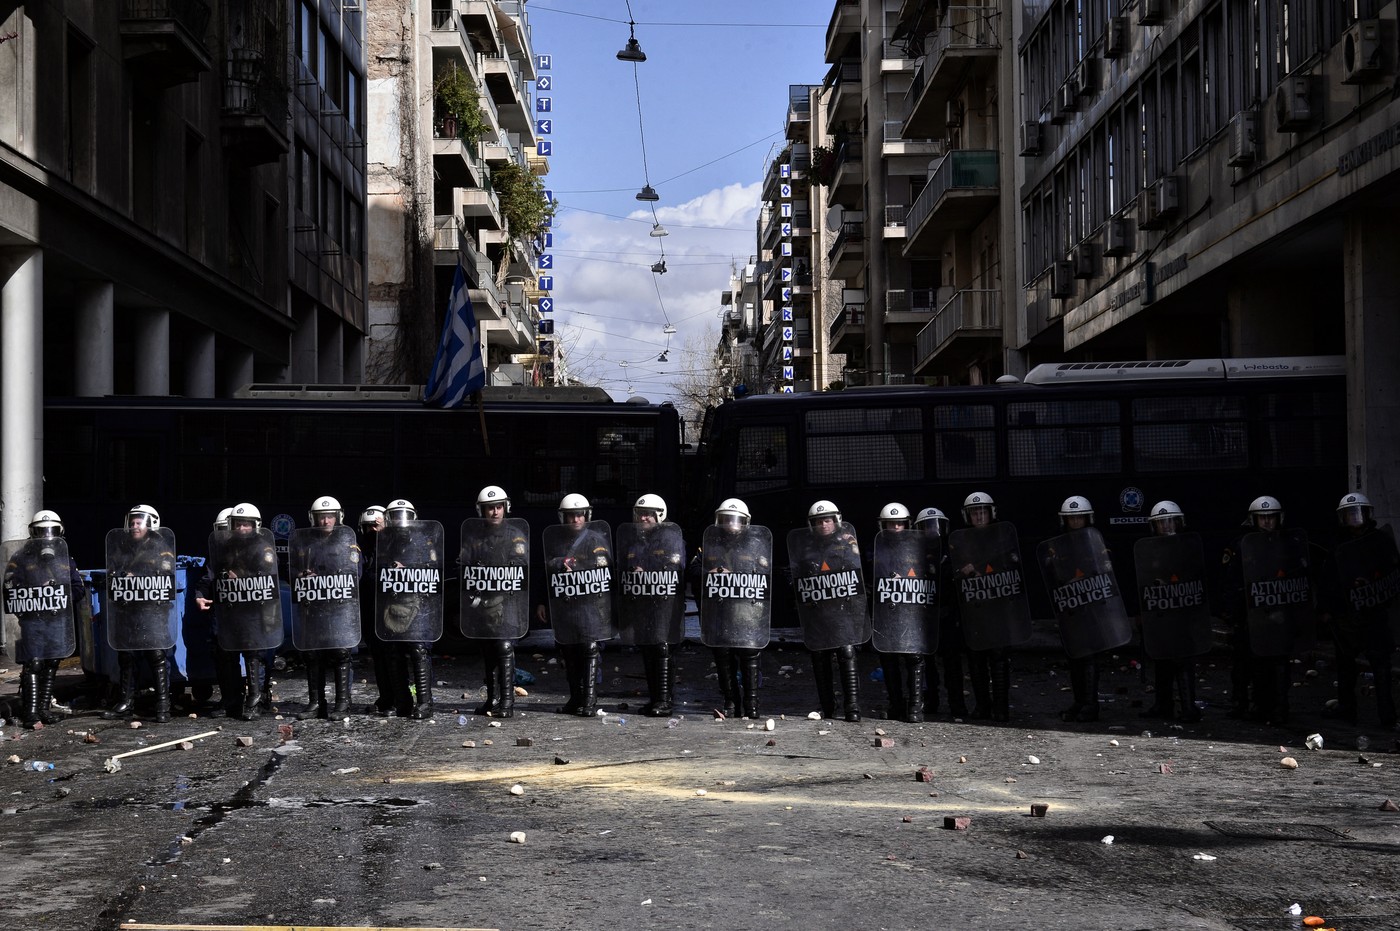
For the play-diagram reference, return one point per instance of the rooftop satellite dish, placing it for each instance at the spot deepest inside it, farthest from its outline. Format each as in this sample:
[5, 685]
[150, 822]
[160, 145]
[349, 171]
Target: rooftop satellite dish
[835, 217]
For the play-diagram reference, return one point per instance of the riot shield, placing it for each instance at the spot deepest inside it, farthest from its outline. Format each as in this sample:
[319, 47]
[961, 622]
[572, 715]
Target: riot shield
[650, 593]
[495, 577]
[325, 570]
[736, 587]
[830, 588]
[1368, 569]
[1084, 592]
[1278, 592]
[140, 589]
[247, 590]
[580, 582]
[38, 591]
[991, 592]
[408, 563]
[904, 601]
[1171, 577]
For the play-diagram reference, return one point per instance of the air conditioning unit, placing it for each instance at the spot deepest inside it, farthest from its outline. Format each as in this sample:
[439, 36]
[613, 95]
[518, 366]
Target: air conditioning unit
[1115, 37]
[1084, 76]
[1363, 53]
[1151, 12]
[1032, 137]
[1159, 203]
[1118, 237]
[1082, 258]
[1244, 138]
[1062, 280]
[1069, 96]
[1292, 103]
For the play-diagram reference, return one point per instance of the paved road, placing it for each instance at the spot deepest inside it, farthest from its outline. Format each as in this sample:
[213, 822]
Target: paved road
[629, 822]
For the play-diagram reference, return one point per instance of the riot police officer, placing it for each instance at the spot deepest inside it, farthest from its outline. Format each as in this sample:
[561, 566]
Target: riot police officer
[904, 612]
[326, 569]
[226, 666]
[989, 669]
[651, 601]
[932, 521]
[42, 587]
[381, 656]
[731, 578]
[406, 544]
[1176, 617]
[578, 557]
[248, 595]
[140, 583]
[1359, 591]
[494, 609]
[831, 602]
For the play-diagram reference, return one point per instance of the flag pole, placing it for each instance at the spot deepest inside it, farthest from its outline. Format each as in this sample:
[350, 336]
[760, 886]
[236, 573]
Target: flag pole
[481, 415]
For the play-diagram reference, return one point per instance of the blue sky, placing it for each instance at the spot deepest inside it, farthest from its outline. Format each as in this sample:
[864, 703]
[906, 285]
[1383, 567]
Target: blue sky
[713, 94]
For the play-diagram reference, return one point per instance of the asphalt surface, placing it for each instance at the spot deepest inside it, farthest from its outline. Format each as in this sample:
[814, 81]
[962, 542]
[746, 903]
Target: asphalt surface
[698, 823]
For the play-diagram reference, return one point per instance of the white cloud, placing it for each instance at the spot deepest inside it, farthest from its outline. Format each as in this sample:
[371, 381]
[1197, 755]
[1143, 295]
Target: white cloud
[607, 295]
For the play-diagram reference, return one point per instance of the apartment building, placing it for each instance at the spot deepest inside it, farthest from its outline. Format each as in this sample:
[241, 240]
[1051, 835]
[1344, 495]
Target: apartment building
[452, 118]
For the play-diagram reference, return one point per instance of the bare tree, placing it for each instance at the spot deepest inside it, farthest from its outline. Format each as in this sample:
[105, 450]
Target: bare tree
[706, 378]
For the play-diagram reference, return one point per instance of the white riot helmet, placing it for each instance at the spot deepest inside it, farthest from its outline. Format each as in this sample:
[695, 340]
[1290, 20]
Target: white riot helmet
[326, 505]
[246, 511]
[371, 516]
[822, 509]
[1264, 505]
[732, 513]
[1164, 511]
[399, 512]
[575, 502]
[1354, 510]
[939, 519]
[1076, 505]
[491, 494]
[894, 511]
[650, 502]
[45, 525]
[148, 516]
[978, 499]
[221, 522]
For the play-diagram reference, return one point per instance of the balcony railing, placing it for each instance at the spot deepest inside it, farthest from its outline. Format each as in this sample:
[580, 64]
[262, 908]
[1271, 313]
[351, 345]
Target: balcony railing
[442, 16]
[965, 27]
[970, 309]
[911, 301]
[852, 232]
[895, 214]
[190, 15]
[850, 315]
[959, 169]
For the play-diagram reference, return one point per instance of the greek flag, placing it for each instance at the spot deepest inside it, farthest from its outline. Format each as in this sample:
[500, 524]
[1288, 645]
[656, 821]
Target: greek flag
[458, 370]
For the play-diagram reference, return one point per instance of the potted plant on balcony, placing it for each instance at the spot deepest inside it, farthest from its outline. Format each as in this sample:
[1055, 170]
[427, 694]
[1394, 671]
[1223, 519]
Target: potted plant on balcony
[523, 204]
[823, 164]
[458, 99]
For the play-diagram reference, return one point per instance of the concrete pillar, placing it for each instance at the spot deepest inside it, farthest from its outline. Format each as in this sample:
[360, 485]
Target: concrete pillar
[92, 358]
[873, 99]
[198, 380]
[21, 389]
[330, 353]
[239, 371]
[304, 339]
[1371, 266]
[151, 358]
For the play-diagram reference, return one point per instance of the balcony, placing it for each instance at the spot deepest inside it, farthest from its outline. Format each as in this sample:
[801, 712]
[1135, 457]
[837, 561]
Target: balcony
[912, 305]
[455, 162]
[961, 191]
[895, 142]
[847, 331]
[963, 328]
[848, 175]
[481, 204]
[452, 243]
[506, 87]
[843, 31]
[253, 120]
[847, 253]
[895, 215]
[799, 115]
[844, 102]
[962, 49]
[163, 40]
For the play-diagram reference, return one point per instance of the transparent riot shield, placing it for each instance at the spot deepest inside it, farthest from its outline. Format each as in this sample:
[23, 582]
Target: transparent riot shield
[1278, 592]
[1368, 569]
[904, 591]
[247, 590]
[140, 589]
[495, 576]
[830, 587]
[38, 592]
[650, 592]
[736, 587]
[408, 582]
[325, 569]
[1171, 577]
[986, 564]
[580, 582]
[1084, 592]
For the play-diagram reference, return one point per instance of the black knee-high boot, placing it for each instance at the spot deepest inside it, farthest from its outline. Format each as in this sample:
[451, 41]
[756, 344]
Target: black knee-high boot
[490, 677]
[728, 685]
[160, 665]
[230, 683]
[929, 700]
[826, 686]
[573, 656]
[340, 670]
[383, 662]
[1076, 684]
[892, 666]
[126, 697]
[592, 660]
[253, 685]
[748, 681]
[505, 679]
[850, 681]
[1163, 679]
[315, 687]
[913, 668]
[656, 659]
[952, 683]
[48, 671]
[29, 695]
[422, 662]
[1090, 678]
[1186, 688]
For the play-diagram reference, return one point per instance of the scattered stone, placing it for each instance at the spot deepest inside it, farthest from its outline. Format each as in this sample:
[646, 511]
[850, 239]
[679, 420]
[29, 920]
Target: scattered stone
[1205, 857]
[1021, 855]
[725, 782]
[469, 744]
[1164, 769]
[1033, 760]
[186, 745]
[517, 789]
[702, 792]
[524, 741]
[956, 822]
[1038, 809]
[1107, 840]
[12, 758]
[962, 759]
[907, 820]
[814, 716]
[521, 693]
[244, 741]
[1389, 805]
[883, 743]
[90, 738]
[1288, 763]
[770, 725]
[1010, 779]
[517, 837]
[719, 715]
[486, 742]
[346, 771]
[432, 866]
[880, 732]
[185, 840]
[1313, 742]
[560, 761]
[923, 774]
[1113, 743]
[771, 743]
[135, 725]
[493, 723]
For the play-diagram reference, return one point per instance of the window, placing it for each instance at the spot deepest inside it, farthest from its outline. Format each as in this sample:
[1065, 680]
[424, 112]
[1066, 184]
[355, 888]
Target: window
[762, 459]
[1189, 434]
[965, 441]
[1063, 437]
[862, 445]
